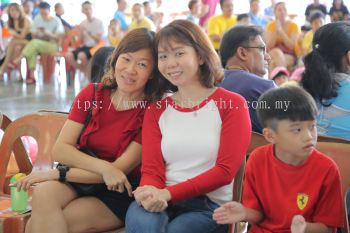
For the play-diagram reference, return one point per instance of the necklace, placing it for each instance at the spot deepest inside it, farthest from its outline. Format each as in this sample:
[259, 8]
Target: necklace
[235, 68]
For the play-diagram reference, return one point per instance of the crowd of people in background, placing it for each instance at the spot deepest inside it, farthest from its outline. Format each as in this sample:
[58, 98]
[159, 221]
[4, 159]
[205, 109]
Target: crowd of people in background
[286, 42]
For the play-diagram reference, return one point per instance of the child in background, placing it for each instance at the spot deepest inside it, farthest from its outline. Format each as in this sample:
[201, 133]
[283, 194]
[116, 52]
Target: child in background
[289, 186]
[115, 34]
[280, 75]
[243, 19]
[193, 6]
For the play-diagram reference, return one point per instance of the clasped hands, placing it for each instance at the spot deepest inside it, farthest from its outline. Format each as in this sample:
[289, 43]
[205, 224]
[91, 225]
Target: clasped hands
[151, 198]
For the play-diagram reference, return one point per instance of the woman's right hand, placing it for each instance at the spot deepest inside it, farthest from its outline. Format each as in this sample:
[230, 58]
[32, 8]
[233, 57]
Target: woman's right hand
[36, 177]
[116, 180]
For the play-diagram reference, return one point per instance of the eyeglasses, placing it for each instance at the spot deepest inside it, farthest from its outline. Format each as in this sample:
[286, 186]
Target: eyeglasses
[261, 48]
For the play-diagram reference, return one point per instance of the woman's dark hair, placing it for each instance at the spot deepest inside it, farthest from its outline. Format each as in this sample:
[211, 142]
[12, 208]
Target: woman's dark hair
[133, 41]
[236, 37]
[98, 63]
[330, 44]
[190, 34]
[285, 103]
[21, 19]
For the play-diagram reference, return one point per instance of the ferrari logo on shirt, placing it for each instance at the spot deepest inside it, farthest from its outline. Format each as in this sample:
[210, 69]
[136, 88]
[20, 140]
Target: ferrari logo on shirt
[302, 200]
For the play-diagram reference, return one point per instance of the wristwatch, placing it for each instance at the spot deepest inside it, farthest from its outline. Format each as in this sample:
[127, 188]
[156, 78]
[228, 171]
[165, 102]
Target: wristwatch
[62, 169]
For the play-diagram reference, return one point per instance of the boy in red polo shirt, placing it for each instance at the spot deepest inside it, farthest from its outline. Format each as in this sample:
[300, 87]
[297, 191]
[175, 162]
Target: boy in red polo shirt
[289, 186]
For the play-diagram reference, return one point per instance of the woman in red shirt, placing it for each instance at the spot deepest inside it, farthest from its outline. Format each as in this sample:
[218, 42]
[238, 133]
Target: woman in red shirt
[113, 133]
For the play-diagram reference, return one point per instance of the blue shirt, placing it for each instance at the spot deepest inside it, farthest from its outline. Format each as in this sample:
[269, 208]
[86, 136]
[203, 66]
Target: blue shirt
[258, 20]
[269, 11]
[120, 16]
[251, 87]
[335, 119]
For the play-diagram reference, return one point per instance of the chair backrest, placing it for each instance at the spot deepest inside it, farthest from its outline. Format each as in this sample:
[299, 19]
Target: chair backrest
[340, 153]
[19, 151]
[256, 140]
[44, 127]
[332, 139]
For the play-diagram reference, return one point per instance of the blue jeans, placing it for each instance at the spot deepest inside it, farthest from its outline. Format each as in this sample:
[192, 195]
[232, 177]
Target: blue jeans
[190, 216]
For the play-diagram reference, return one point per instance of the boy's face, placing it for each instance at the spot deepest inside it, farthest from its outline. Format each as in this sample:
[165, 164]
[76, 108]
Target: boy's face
[294, 140]
[195, 9]
[280, 79]
[316, 24]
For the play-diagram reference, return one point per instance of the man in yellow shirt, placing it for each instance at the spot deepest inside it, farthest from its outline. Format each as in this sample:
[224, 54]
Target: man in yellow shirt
[217, 25]
[139, 20]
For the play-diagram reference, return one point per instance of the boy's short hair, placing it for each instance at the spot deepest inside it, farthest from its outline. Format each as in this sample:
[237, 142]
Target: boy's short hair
[242, 16]
[286, 103]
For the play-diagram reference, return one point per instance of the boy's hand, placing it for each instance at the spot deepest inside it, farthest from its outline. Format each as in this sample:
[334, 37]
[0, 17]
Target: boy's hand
[229, 213]
[298, 224]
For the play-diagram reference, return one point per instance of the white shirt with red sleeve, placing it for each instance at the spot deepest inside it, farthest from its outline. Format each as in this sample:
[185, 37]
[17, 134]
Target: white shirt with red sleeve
[195, 151]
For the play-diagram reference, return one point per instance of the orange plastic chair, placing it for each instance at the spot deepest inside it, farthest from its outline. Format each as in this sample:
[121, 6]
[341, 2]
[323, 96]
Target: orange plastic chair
[340, 153]
[44, 127]
[19, 154]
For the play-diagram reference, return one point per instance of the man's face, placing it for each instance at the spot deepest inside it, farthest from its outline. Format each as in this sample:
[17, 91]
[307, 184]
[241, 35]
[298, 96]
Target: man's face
[227, 8]
[45, 13]
[255, 7]
[258, 58]
[86, 9]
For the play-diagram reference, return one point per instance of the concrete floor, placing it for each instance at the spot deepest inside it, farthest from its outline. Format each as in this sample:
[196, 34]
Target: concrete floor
[18, 98]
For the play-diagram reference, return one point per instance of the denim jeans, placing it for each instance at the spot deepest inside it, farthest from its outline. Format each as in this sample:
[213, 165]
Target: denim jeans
[190, 216]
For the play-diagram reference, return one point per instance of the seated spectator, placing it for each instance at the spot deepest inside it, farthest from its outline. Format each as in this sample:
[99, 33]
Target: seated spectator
[91, 34]
[148, 10]
[115, 33]
[306, 195]
[28, 7]
[119, 15]
[338, 11]
[312, 9]
[243, 55]
[187, 173]
[243, 19]
[279, 75]
[139, 20]
[327, 78]
[316, 21]
[255, 17]
[59, 11]
[281, 38]
[193, 6]
[19, 25]
[46, 32]
[113, 133]
[217, 25]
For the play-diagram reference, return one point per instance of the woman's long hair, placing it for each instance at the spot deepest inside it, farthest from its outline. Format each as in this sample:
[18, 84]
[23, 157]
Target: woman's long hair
[330, 44]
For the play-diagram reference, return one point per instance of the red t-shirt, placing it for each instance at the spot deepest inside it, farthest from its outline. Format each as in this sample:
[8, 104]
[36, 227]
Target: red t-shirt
[109, 131]
[280, 191]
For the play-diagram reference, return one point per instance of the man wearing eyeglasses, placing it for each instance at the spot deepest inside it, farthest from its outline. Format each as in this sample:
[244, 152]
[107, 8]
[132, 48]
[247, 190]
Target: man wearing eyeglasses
[244, 57]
